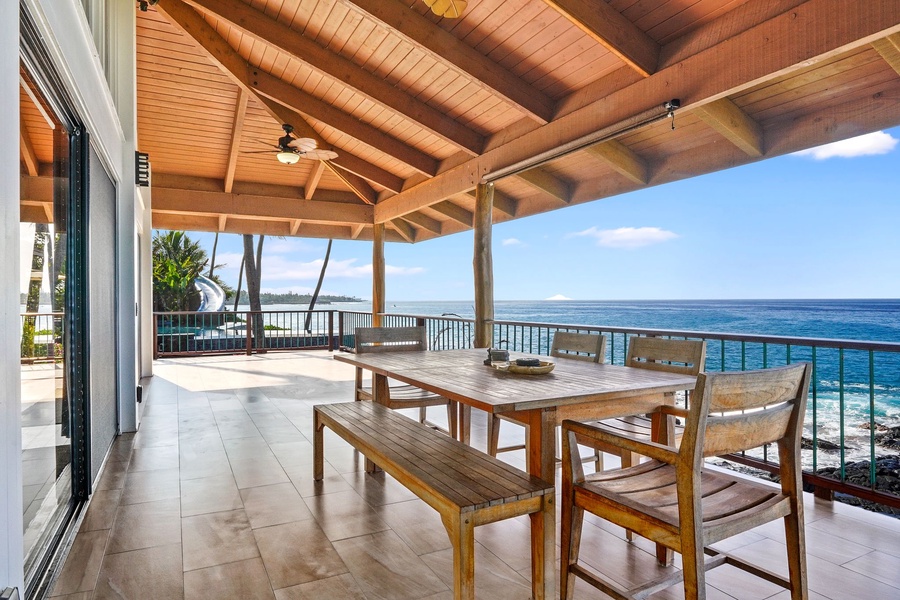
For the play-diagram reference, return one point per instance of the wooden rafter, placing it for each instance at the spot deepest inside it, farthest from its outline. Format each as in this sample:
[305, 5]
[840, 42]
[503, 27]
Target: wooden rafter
[376, 89]
[547, 183]
[237, 70]
[237, 128]
[621, 158]
[889, 49]
[312, 182]
[615, 32]
[488, 74]
[26, 149]
[295, 225]
[454, 211]
[424, 222]
[406, 231]
[223, 220]
[738, 127]
[774, 48]
[355, 230]
[505, 204]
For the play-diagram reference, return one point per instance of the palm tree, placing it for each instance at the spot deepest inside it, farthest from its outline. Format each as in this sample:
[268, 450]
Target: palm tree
[177, 260]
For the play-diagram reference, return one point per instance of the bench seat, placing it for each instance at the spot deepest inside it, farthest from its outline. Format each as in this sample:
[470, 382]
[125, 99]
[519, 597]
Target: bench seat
[467, 487]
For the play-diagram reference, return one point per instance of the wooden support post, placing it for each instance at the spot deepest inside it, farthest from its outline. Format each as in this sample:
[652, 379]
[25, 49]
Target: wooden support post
[377, 273]
[482, 264]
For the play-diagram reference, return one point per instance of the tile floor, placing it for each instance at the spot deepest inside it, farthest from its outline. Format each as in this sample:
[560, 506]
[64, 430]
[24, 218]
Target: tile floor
[214, 498]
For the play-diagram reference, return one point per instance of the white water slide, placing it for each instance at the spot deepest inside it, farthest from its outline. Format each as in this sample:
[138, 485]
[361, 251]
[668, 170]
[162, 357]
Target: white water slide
[212, 297]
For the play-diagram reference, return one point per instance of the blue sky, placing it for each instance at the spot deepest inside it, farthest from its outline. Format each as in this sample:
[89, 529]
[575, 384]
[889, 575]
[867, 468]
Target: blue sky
[819, 225]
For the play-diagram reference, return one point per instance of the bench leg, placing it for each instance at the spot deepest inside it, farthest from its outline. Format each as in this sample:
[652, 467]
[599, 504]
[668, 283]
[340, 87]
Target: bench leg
[318, 443]
[462, 535]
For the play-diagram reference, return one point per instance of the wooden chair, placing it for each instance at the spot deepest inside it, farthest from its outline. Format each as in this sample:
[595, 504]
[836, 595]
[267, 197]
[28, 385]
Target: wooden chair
[674, 500]
[399, 339]
[687, 357]
[589, 347]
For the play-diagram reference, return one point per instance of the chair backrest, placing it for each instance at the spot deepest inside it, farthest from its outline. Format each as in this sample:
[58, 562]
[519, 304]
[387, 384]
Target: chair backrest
[579, 346]
[390, 339]
[742, 410]
[687, 357]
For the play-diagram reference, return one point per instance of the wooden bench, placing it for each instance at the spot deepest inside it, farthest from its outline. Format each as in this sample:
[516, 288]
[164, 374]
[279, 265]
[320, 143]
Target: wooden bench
[467, 487]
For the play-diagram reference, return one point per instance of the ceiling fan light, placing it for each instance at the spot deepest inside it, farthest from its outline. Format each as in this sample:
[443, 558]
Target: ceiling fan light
[288, 158]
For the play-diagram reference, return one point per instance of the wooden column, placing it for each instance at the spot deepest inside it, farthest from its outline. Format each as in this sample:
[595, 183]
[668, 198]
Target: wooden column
[377, 273]
[483, 266]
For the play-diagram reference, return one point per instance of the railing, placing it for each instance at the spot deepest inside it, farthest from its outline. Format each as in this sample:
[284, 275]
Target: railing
[191, 333]
[41, 337]
[854, 382]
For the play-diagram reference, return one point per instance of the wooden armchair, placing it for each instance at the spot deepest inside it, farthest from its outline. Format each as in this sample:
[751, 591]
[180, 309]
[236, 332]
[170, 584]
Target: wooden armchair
[677, 502]
[687, 357]
[400, 339]
[589, 347]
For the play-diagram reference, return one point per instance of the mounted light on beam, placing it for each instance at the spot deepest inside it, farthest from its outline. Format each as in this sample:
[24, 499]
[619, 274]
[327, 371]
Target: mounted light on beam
[665, 111]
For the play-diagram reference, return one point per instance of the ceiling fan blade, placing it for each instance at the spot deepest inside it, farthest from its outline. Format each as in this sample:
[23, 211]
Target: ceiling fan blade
[451, 9]
[319, 154]
[270, 152]
[303, 144]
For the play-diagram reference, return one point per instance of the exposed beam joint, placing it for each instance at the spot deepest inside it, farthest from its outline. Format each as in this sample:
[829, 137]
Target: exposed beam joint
[295, 225]
[406, 231]
[27, 150]
[738, 127]
[355, 230]
[615, 32]
[547, 183]
[223, 219]
[348, 73]
[621, 158]
[502, 202]
[237, 128]
[312, 182]
[455, 212]
[889, 49]
[489, 75]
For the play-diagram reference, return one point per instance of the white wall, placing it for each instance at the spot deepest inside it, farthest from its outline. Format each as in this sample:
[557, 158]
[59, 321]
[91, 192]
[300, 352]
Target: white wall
[11, 559]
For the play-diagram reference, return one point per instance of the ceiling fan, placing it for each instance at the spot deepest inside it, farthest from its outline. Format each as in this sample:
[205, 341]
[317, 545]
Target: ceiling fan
[451, 9]
[289, 149]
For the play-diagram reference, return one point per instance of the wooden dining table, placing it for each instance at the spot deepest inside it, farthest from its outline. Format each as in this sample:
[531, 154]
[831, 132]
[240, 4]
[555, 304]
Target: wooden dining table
[574, 389]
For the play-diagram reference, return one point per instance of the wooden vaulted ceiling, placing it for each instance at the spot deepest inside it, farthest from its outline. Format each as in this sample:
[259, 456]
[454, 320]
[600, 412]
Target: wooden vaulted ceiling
[420, 108]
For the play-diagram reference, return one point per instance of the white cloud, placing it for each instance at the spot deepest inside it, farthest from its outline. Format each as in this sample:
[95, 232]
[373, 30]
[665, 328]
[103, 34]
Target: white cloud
[513, 242]
[878, 142]
[627, 237]
[282, 269]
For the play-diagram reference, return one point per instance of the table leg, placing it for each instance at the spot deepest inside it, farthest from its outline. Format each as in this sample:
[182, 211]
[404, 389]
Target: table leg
[542, 463]
[465, 423]
[318, 448]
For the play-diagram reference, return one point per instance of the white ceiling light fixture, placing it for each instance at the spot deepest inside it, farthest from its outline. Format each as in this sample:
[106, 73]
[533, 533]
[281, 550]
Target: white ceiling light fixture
[288, 158]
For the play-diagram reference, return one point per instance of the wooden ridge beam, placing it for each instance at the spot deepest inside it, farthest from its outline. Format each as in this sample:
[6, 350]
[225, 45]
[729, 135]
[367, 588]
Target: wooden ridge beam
[547, 183]
[781, 45]
[489, 75]
[424, 221]
[611, 29]
[621, 158]
[178, 200]
[233, 66]
[312, 182]
[454, 211]
[237, 128]
[298, 100]
[734, 124]
[348, 73]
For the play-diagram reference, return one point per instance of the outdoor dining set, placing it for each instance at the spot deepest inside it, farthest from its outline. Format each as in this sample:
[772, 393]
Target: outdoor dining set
[660, 414]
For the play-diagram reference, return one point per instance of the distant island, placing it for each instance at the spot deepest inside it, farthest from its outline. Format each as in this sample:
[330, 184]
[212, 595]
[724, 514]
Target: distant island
[292, 298]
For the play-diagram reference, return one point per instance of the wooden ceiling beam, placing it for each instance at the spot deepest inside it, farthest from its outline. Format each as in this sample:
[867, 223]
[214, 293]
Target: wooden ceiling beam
[355, 230]
[612, 30]
[312, 182]
[621, 158]
[424, 221]
[237, 128]
[454, 211]
[502, 202]
[781, 45]
[406, 231]
[738, 127]
[489, 75]
[295, 225]
[26, 149]
[348, 73]
[547, 183]
[298, 100]
[223, 221]
[231, 205]
[233, 66]
[889, 49]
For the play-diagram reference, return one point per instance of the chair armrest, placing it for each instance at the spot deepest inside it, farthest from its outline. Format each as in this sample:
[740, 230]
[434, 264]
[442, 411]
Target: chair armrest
[675, 411]
[586, 433]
